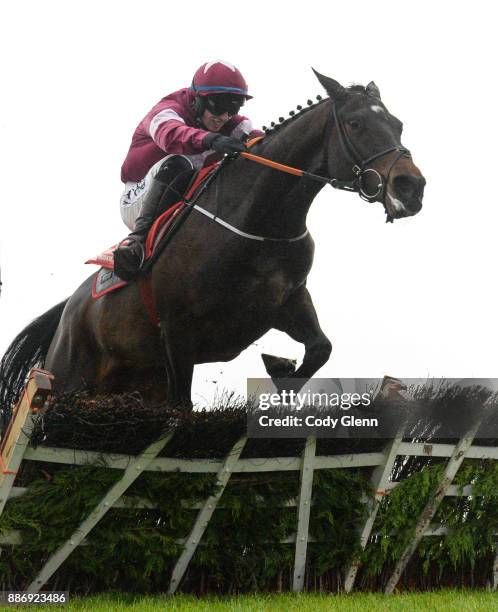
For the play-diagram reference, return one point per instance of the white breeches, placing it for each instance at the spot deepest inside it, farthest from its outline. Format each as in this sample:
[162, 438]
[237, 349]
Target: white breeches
[134, 194]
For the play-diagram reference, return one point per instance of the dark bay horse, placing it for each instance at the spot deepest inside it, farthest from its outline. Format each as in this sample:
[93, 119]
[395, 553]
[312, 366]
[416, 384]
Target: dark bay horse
[218, 288]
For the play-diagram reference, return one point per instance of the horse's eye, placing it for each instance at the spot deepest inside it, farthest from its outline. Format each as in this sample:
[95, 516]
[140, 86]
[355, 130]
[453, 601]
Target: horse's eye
[355, 124]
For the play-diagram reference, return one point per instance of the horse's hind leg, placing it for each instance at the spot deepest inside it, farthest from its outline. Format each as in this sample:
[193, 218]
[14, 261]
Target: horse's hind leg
[71, 357]
[73, 365]
[299, 320]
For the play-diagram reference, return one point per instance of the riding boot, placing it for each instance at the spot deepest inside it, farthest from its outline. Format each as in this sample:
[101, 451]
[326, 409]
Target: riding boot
[166, 188]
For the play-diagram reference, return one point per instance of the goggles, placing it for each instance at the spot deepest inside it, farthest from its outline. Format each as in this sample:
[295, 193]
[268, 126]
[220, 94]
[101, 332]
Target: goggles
[224, 103]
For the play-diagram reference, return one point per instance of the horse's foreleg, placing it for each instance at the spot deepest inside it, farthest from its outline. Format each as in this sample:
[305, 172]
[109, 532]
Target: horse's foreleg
[179, 362]
[299, 320]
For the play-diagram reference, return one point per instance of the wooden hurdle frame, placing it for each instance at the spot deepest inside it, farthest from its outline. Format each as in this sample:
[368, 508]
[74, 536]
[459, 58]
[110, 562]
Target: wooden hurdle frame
[15, 448]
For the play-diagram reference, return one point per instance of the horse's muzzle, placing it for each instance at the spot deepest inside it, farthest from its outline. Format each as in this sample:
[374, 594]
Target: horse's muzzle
[404, 195]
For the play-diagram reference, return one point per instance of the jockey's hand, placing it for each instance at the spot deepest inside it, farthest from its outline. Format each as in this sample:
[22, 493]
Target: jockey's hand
[223, 144]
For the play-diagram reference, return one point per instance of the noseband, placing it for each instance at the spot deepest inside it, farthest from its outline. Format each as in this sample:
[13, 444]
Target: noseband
[361, 166]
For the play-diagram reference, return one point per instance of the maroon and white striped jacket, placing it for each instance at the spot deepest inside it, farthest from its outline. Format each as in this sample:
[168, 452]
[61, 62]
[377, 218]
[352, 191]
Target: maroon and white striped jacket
[171, 127]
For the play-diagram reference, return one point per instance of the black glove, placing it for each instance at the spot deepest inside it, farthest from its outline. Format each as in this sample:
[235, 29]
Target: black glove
[223, 144]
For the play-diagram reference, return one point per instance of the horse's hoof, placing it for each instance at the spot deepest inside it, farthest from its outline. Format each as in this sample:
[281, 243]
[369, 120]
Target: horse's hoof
[279, 367]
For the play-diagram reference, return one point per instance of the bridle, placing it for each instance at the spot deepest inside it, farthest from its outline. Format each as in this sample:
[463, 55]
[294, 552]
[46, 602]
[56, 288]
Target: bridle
[360, 169]
[361, 166]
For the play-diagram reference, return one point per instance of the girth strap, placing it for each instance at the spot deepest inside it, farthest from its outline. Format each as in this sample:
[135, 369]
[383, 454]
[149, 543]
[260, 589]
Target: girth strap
[145, 287]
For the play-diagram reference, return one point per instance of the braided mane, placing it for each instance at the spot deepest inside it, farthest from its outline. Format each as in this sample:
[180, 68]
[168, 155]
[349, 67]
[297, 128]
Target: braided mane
[301, 109]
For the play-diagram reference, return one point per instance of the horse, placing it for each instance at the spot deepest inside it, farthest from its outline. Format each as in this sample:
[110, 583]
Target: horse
[235, 268]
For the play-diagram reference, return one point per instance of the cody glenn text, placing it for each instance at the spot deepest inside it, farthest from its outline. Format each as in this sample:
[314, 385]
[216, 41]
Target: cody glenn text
[313, 421]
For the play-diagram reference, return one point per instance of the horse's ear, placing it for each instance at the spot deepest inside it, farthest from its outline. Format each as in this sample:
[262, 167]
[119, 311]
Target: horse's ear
[373, 90]
[333, 88]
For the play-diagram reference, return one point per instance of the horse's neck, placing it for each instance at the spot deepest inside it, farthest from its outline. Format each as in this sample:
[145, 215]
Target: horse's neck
[301, 141]
[275, 203]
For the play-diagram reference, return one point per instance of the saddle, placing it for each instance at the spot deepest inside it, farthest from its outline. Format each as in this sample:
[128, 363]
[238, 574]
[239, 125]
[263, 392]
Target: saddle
[105, 280]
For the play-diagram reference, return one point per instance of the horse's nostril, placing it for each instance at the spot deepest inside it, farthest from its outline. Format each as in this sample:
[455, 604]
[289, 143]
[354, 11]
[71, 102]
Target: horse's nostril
[408, 186]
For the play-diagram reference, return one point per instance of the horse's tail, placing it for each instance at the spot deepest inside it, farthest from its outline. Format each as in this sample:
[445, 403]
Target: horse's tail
[28, 350]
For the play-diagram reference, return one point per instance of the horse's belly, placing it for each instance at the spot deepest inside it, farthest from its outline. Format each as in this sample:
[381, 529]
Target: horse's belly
[229, 331]
[227, 346]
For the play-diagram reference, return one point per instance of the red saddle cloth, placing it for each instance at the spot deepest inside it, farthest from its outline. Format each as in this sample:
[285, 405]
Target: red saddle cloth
[105, 280]
[156, 233]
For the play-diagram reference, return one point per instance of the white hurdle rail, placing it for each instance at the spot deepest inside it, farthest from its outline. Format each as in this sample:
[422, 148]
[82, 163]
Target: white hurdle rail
[15, 448]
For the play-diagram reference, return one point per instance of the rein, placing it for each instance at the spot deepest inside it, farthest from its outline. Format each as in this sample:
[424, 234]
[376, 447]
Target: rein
[336, 183]
[245, 234]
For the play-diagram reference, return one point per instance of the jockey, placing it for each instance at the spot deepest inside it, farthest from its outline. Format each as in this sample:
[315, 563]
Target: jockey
[190, 128]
